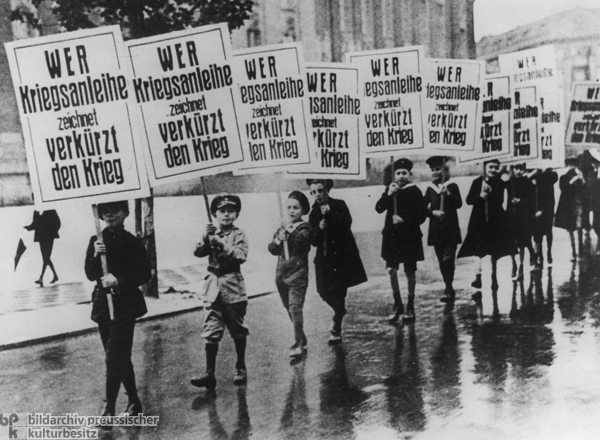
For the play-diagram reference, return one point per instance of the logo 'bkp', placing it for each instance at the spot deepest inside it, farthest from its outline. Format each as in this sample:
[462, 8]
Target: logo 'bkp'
[8, 421]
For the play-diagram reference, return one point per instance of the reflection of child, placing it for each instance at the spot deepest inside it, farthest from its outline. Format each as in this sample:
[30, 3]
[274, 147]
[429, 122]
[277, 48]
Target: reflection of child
[224, 291]
[291, 276]
[569, 213]
[128, 267]
[444, 231]
[337, 264]
[402, 234]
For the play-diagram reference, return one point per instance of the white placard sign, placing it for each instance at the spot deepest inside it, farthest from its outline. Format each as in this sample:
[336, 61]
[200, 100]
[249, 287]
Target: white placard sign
[75, 105]
[273, 108]
[532, 66]
[583, 128]
[525, 125]
[391, 83]
[335, 108]
[184, 88]
[495, 131]
[551, 130]
[453, 104]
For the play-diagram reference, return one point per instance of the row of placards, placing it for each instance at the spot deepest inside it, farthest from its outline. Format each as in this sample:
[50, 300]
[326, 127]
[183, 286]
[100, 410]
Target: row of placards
[92, 106]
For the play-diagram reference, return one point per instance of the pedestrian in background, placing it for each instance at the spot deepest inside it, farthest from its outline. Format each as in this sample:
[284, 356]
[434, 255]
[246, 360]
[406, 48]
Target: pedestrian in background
[488, 232]
[337, 263]
[45, 226]
[444, 230]
[402, 237]
[291, 274]
[569, 212]
[224, 292]
[128, 267]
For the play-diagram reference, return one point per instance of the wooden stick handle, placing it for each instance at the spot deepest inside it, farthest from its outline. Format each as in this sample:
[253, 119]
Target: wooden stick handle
[109, 298]
[205, 199]
[286, 249]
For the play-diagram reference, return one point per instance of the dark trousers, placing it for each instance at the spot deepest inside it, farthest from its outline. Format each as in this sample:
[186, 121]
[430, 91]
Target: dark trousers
[336, 299]
[117, 340]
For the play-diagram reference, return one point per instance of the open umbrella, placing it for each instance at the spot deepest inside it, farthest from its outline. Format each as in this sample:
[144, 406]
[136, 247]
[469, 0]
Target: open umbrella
[20, 251]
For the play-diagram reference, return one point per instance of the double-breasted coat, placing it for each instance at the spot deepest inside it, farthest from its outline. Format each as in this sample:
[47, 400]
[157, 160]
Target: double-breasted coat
[570, 204]
[341, 267]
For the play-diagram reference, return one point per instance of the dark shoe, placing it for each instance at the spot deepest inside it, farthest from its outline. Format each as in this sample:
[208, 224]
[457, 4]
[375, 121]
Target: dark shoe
[335, 338]
[40, 282]
[54, 280]
[476, 297]
[208, 381]
[134, 408]
[448, 296]
[240, 377]
[304, 342]
[549, 259]
[397, 313]
[409, 315]
[295, 351]
[477, 283]
[108, 411]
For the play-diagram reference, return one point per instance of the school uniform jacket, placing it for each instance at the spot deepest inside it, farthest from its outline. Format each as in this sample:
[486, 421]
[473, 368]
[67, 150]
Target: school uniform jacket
[403, 242]
[128, 261]
[521, 214]
[294, 271]
[487, 235]
[341, 267]
[224, 276]
[447, 231]
[544, 182]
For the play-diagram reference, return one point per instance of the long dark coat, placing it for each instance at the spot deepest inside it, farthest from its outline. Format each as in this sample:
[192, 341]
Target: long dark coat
[570, 202]
[491, 235]
[545, 201]
[521, 214]
[341, 267]
[128, 261]
[403, 242]
[447, 231]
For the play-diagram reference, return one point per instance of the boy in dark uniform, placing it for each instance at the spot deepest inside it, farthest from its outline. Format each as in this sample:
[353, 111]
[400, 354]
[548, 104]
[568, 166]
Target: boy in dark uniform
[224, 292]
[521, 212]
[488, 232]
[402, 242]
[444, 231]
[569, 213]
[544, 213]
[337, 263]
[128, 267]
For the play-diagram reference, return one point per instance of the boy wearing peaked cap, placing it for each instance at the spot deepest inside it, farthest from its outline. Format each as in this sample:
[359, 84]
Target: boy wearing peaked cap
[402, 242]
[224, 292]
[442, 199]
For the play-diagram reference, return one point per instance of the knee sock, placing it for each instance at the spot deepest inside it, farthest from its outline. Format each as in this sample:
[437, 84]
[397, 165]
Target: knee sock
[395, 289]
[211, 356]
[240, 350]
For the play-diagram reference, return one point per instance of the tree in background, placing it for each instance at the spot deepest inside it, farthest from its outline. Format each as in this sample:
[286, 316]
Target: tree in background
[138, 19]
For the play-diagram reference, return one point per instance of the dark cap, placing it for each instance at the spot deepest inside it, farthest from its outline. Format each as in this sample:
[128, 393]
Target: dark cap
[121, 205]
[404, 164]
[519, 166]
[327, 183]
[436, 161]
[496, 161]
[226, 200]
[302, 199]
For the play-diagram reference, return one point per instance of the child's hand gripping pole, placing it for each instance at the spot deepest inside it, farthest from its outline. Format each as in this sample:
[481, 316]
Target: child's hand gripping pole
[286, 250]
[109, 298]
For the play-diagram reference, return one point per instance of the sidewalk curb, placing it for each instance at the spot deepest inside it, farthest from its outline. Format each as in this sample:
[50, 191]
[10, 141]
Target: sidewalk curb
[94, 328]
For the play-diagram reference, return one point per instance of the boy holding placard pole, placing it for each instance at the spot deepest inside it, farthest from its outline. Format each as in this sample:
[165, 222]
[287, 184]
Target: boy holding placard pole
[224, 292]
[401, 242]
[443, 200]
[119, 263]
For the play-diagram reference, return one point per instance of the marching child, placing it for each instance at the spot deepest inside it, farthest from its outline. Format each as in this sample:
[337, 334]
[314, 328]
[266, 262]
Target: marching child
[128, 267]
[521, 211]
[444, 231]
[544, 213]
[488, 232]
[569, 213]
[402, 242]
[291, 275]
[337, 262]
[224, 292]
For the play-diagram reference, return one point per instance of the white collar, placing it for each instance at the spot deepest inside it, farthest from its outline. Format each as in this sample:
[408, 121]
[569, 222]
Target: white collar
[408, 185]
[438, 189]
[291, 228]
